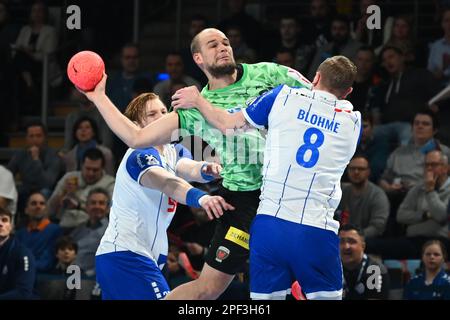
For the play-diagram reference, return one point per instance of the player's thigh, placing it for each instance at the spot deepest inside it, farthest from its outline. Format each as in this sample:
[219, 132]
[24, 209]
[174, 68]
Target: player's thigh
[128, 276]
[317, 265]
[270, 276]
[229, 248]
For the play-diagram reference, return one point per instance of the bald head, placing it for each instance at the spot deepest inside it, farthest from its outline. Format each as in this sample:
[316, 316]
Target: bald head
[437, 155]
[202, 35]
[212, 52]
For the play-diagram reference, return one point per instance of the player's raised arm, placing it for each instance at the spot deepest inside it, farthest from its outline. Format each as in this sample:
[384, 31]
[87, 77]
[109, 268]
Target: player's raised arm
[181, 191]
[255, 115]
[190, 97]
[157, 133]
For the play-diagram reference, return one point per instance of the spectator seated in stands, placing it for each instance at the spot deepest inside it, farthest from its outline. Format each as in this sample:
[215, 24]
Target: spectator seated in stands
[8, 191]
[89, 234]
[439, 58]
[8, 35]
[423, 211]
[38, 165]
[374, 147]
[175, 70]
[85, 108]
[318, 23]
[140, 86]
[66, 254]
[53, 284]
[341, 44]
[404, 168]
[356, 269]
[39, 235]
[285, 57]
[250, 27]
[197, 23]
[17, 263]
[433, 283]
[241, 51]
[291, 38]
[68, 201]
[371, 37]
[36, 40]
[120, 84]
[404, 93]
[363, 203]
[85, 137]
[402, 36]
[366, 79]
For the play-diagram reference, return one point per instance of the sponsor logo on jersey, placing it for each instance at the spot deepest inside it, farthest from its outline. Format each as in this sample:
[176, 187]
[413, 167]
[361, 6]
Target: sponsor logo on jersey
[239, 237]
[151, 160]
[144, 160]
[222, 253]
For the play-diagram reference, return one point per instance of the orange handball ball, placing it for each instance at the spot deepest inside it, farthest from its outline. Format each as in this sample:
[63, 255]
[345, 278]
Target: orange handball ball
[85, 70]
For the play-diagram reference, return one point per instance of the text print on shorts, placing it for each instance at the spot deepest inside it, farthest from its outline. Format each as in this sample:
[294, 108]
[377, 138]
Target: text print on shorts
[239, 237]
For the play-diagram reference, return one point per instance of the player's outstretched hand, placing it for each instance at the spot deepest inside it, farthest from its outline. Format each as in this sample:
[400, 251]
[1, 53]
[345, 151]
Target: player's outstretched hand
[98, 91]
[212, 169]
[186, 98]
[214, 206]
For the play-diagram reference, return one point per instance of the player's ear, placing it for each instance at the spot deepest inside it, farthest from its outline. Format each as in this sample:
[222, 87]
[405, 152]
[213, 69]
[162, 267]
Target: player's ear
[197, 58]
[347, 92]
[316, 79]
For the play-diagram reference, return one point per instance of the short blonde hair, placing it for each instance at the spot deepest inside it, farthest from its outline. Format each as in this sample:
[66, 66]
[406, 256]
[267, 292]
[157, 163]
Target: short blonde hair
[337, 73]
[135, 110]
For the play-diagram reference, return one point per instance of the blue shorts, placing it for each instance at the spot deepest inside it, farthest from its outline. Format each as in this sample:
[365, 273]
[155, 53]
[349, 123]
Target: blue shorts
[125, 275]
[282, 252]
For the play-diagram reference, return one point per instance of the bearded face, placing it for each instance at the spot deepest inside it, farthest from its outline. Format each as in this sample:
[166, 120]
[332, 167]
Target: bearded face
[216, 54]
[218, 71]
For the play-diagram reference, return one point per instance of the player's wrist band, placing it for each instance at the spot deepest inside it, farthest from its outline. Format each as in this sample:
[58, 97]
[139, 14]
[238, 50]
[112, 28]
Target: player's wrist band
[193, 196]
[205, 176]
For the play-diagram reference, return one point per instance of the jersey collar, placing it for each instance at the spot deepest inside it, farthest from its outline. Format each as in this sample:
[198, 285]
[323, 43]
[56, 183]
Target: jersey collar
[326, 95]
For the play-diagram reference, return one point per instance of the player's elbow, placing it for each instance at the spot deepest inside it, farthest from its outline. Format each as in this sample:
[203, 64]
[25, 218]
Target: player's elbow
[228, 128]
[137, 145]
[226, 131]
[138, 140]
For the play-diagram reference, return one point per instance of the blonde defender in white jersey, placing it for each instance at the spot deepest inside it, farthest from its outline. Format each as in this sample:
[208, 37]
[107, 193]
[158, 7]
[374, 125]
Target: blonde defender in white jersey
[311, 137]
[149, 183]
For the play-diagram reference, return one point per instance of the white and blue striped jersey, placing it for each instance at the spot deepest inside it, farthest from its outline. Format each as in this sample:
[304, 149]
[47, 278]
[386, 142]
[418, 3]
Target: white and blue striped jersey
[310, 140]
[140, 216]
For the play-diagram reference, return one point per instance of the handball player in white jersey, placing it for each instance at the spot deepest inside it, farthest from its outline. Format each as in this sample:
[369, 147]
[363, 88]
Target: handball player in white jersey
[312, 135]
[149, 183]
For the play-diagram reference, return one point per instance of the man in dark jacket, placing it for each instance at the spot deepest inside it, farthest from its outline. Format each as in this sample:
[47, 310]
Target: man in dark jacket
[364, 278]
[38, 164]
[17, 267]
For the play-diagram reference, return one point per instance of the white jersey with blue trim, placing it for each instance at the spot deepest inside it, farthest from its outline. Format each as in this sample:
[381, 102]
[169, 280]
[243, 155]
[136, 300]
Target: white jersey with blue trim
[140, 216]
[311, 138]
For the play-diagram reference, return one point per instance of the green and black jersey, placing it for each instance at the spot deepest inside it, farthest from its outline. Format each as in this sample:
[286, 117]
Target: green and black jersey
[241, 155]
